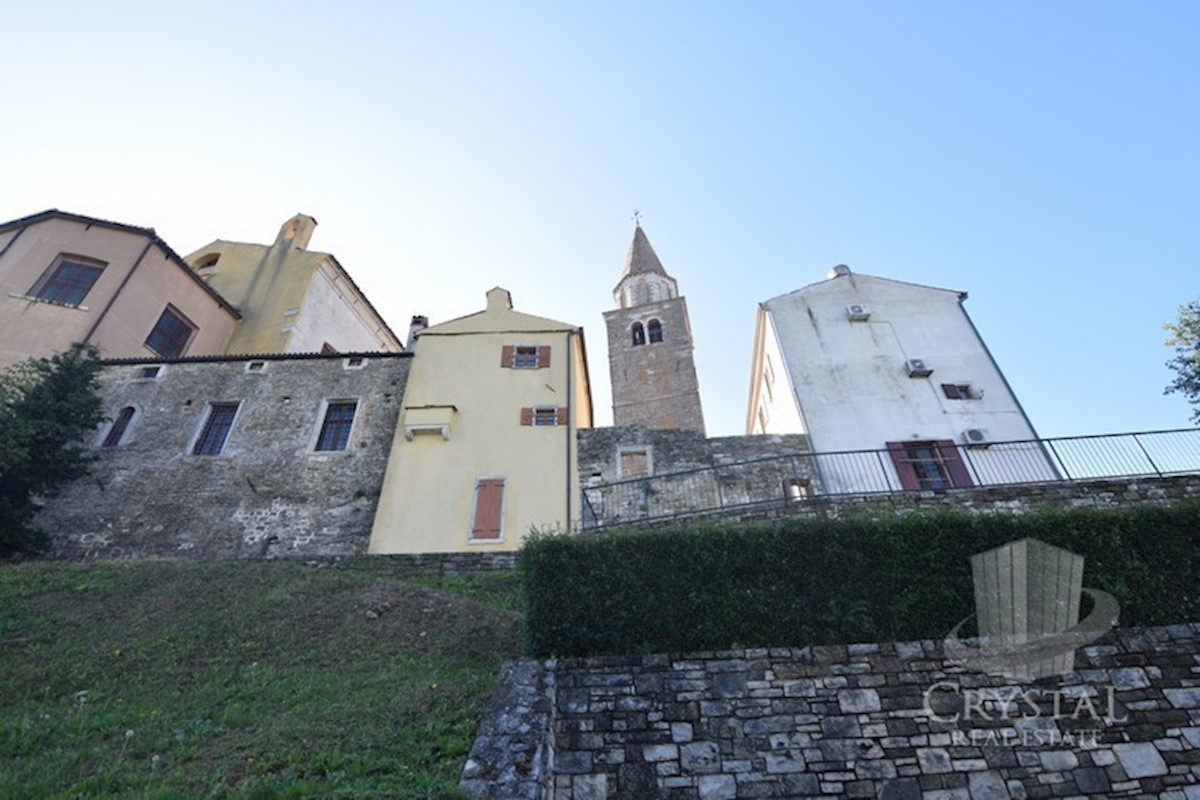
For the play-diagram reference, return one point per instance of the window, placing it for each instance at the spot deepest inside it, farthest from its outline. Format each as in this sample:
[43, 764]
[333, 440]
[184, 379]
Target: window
[335, 430]
[118, 427]
[544, 415]
[67, 281]
[932, 465]
[633, 464]
[959, 391]
[525, 356]
[255, 366]
[488, 517]
[171, 334]
[354, 362]
[639, 334]
[149, 373]
[216, 429]
[654, 329]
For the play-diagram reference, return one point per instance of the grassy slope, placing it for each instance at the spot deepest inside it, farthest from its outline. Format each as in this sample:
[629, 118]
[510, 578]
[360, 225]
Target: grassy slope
[199, 679]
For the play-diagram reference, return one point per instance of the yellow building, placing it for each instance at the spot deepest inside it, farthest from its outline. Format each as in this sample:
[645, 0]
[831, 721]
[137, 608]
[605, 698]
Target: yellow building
[68, 278]
[292, 300]
[485, 447]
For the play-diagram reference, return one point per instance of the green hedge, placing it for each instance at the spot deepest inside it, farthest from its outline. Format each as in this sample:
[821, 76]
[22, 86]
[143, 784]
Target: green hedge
[800, 582]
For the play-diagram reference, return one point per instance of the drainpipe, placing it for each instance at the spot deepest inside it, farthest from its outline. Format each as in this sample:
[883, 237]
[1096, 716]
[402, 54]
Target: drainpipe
[569, 361]
[117, 293]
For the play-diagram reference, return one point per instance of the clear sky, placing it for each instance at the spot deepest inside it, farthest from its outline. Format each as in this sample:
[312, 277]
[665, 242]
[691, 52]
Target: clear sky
[1044, 157]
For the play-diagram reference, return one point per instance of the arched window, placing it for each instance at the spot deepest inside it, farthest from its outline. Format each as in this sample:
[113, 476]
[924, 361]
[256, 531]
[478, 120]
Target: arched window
[118, 427]
[639, 334]
[655, 328]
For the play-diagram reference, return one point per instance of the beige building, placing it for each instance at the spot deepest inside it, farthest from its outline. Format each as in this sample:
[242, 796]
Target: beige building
[67, 278]
[292, 300]
[485, 446]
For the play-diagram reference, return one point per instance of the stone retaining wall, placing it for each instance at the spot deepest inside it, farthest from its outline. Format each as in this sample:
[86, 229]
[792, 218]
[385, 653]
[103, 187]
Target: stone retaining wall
[871, 720]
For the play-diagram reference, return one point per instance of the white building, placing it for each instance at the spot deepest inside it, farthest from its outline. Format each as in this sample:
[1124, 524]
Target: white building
[862, 363]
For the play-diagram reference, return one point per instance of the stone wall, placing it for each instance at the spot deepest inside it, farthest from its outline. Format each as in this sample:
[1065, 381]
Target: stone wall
[268, 493]
[870, 720]
[678, 463]
[1106, 493]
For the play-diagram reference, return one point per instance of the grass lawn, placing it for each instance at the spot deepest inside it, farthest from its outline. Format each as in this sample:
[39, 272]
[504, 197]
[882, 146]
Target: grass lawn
[167, 679]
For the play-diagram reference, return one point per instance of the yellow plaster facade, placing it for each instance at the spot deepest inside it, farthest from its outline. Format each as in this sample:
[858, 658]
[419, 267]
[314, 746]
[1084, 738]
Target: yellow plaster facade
[292, 300]
[478, 388]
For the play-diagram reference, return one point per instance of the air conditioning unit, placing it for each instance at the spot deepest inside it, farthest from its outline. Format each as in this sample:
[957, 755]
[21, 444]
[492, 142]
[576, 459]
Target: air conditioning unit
[977, 437]
[918, 368]
[859, 312]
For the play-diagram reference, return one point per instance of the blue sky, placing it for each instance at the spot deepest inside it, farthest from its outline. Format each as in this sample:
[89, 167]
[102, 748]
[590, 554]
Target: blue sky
[1042, 157]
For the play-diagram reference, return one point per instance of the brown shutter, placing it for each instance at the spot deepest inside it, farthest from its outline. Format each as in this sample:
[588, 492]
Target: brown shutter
[562, 415]
[489, 506]
[526, 416]
[959, 475]
[904, 467]
[543, 357]
[507, 353]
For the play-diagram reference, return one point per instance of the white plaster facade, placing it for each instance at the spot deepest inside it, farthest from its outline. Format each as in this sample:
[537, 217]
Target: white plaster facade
[864, 363]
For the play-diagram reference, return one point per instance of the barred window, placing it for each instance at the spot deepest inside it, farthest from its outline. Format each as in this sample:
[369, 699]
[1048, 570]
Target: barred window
[335, 430]
[216, 429]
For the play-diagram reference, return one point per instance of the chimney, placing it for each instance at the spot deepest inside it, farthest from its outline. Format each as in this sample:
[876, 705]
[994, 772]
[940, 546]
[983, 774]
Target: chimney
[418, 324]
[296, 232]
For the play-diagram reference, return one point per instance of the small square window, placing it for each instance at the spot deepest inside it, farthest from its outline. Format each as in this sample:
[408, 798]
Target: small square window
[959, 391]
[335, 429]
[525, 358]
[633, 464]
[67, 281]
[171, 334]
[255, 366]
[545, 415]
[149, 373]
[216, 429]
[354, 362]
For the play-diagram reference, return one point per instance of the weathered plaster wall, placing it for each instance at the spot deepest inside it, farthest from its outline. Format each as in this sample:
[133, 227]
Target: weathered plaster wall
[150, 496]
[893, 721]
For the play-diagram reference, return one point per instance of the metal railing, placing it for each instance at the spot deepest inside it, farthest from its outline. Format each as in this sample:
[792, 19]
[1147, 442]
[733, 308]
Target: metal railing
[794, 477]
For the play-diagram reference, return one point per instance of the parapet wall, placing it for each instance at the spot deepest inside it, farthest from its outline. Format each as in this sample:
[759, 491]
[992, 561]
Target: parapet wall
[869, 720]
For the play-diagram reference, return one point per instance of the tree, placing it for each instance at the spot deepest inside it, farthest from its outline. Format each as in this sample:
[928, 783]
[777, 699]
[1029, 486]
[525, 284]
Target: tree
[47, 407]
[1185, 338]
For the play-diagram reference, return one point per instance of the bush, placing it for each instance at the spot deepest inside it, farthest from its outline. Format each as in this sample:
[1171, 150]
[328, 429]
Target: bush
[801, 582]
[47, 407]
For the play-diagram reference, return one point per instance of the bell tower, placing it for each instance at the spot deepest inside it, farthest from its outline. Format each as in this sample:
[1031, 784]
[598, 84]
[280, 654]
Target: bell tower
[650, 346]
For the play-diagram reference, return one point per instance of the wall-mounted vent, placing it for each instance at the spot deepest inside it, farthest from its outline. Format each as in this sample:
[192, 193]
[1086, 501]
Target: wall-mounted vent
[977, 437]
[859, 312]
[918, 368]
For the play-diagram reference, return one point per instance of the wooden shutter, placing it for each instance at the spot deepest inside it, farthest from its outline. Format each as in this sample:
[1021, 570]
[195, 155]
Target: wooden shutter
[543, 356]
[957, 470]
[904, 467]
[507, 354]
[527, 416]
[562, 415]
[489, 508]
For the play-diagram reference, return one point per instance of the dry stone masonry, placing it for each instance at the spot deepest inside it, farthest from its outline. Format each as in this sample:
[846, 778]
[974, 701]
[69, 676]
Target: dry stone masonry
[870, 720]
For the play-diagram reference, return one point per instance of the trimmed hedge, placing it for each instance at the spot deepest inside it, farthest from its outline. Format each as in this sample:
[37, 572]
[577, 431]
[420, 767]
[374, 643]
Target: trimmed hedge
[800, 582]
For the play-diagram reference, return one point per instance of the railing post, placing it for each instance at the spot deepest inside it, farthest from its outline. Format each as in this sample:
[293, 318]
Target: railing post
[1153, 466]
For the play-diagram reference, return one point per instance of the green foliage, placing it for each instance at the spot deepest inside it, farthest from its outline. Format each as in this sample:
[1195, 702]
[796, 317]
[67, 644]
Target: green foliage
[1185, 338]
[240, 680]
[47, 407]
[802, 582]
